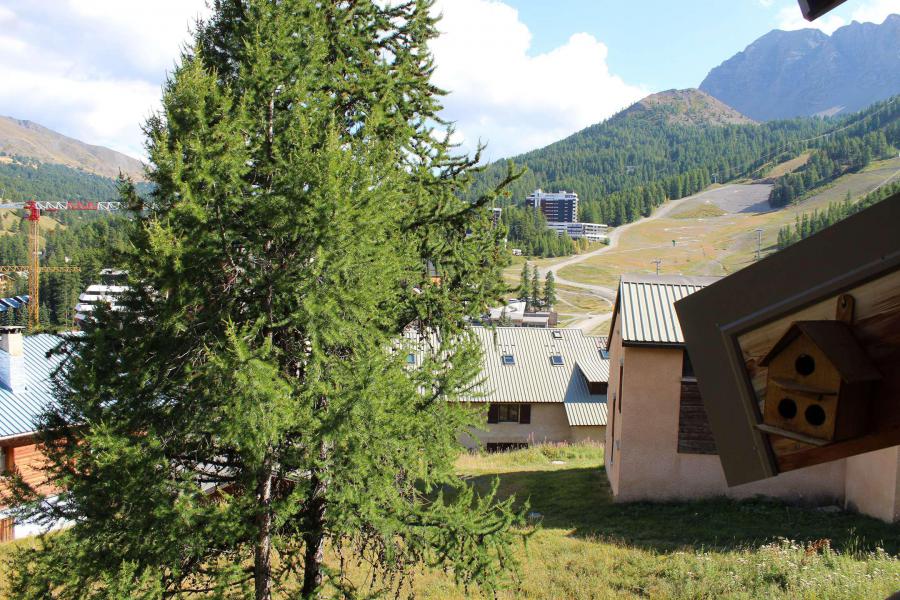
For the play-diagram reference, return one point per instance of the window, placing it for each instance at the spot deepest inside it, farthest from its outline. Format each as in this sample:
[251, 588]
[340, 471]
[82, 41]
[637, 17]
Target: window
[508, 359]
[621, 377]
[556, 360]
[509, 413]
[3, 452]
[687, 369]
[410, 359]
[505, 446]
[557, 335]
[604, 353]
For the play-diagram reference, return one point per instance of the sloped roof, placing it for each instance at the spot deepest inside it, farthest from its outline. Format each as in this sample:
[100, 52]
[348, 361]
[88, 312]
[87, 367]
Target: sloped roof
[533, 378]
[19, 411]
[646, 305]
[836, 340]
[586, 413]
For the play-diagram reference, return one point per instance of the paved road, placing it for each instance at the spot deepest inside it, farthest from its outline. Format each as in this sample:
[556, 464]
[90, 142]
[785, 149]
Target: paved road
[591, 321]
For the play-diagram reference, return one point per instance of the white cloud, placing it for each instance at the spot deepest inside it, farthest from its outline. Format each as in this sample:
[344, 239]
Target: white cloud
[876, 11]
[510, 99]
[873, 11]
[93, 69]
[790, 18]
[766, 3]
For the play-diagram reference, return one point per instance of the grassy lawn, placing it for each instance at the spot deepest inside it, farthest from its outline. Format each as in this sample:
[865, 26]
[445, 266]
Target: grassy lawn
[788, 166]
[589, 547]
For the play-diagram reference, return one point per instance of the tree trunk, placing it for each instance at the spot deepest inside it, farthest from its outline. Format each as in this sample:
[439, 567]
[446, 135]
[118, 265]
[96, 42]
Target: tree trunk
[314, 538]
[262, 564]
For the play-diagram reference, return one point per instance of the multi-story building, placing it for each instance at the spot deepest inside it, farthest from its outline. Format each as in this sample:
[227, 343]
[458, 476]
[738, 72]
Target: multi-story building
[556, 206]
[108, 291]
[593, 232]
[496, 213]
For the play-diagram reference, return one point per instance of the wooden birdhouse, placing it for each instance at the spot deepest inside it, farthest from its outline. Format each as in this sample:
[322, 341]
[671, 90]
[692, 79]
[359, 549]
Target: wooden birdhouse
[819, 383]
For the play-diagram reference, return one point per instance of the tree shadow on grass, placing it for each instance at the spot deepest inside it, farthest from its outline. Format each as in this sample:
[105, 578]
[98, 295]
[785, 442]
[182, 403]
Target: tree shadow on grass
[580, 500]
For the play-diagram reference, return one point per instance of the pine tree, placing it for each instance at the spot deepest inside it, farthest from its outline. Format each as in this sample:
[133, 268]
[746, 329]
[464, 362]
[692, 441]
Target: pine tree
[549, 290]
[536, 287]
[245, 412]
[525, 283]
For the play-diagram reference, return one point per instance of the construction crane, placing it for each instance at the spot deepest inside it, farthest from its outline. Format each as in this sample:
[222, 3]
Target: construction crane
[34, 268]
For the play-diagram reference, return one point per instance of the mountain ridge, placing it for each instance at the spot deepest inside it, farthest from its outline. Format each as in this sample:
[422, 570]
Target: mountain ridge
[803, 73]
[27, 139]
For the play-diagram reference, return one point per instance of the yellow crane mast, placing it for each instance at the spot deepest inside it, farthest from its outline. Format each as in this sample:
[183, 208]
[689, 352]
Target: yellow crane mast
[34, 268]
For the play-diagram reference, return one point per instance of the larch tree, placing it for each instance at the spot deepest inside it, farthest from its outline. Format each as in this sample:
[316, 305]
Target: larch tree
[247, 426]
[525, 283]
[549, 290]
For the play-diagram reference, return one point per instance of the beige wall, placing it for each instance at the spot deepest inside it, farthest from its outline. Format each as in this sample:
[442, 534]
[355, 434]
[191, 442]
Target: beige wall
[613, 418]
[643, 463]
[585, 434]
[548, 424]
[873, 483]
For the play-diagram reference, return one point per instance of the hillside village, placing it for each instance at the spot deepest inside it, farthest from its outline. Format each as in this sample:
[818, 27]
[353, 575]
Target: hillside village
[304, 349]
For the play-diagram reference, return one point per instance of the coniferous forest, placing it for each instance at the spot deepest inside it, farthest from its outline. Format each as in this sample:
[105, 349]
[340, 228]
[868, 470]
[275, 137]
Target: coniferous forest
[78, 239]
[817, 220]
[625, 167]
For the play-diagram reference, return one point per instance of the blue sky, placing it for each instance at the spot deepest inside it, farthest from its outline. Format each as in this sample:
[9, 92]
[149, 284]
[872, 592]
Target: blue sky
[660, 44]
[522, 73]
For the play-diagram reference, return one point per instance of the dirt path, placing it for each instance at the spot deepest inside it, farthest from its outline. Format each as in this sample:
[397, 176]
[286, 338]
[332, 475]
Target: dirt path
[606, 293]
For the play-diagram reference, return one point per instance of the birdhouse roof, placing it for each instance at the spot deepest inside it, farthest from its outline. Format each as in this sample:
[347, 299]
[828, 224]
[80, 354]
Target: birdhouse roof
[836, 340]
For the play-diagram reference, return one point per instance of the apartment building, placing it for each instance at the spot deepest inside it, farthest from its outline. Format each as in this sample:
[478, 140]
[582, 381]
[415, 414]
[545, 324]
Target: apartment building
[557, 207]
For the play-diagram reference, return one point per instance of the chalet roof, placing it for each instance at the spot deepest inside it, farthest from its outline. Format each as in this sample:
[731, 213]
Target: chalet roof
[531, 377]
[646, 306]
[20, 411]
[836, 340]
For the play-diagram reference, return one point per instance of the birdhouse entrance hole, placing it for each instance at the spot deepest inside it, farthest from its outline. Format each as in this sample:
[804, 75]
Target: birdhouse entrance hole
[805, 365]
[815, 415]
[787, 408]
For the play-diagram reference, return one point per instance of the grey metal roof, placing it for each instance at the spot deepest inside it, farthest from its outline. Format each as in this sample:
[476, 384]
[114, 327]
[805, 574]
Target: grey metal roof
[646, 305]
[534, 378]
[586, 413]
[19, 411]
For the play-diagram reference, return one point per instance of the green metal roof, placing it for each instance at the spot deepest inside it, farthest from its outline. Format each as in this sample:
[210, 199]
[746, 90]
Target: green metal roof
[646, 306]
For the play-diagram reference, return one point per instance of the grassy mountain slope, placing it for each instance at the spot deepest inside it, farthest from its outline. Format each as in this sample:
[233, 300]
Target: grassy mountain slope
[31, 140]
[686, 107]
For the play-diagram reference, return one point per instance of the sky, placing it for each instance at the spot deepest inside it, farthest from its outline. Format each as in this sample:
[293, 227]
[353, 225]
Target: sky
[521, 73]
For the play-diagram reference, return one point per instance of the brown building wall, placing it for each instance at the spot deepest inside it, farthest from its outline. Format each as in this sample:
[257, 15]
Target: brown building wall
[29, 461]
